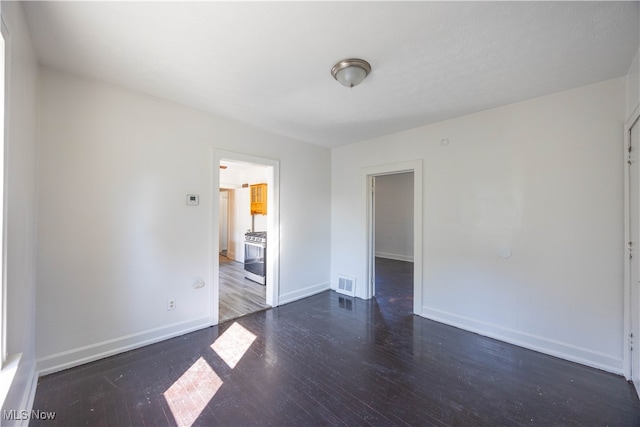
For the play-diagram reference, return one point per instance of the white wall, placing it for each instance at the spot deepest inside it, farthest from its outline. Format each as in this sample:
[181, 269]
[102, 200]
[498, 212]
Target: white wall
[21, 110]
[633, 85]
[241, 221]
[542, 178]
[116, 239]
[224, 221]
[394, 216]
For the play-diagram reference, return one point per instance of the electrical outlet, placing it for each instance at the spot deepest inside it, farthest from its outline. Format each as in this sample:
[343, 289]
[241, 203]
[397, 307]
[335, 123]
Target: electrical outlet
[171, 304]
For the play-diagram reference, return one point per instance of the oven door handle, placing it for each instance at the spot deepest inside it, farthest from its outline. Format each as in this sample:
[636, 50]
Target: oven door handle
[260, 245]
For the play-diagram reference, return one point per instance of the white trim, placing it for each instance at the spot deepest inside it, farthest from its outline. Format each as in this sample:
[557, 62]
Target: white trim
[273, 227]
[7, 375]
[414, 166]
[626, 359]
[89, 353]
[214, 246]
[28, 397]
[4, 185]
[397, 257]
[532, 342]
[15, 364]
[304, 292]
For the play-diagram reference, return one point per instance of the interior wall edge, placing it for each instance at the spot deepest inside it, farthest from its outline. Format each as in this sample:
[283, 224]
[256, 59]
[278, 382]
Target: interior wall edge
[21, 139]
[79, 356]
[532, 342]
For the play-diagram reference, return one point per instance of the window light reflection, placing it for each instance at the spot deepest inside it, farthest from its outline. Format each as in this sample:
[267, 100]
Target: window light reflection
[191, 393]
[233, 344]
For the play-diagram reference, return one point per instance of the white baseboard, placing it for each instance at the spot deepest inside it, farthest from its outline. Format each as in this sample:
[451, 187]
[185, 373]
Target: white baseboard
[89, 353]
[397, 257]
[533, 342]
[303, 293]
[29, 395]
[20, 393]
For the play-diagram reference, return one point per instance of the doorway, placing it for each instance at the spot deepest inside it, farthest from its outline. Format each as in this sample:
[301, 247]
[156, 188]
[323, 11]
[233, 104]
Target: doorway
[224, 221]
[390, 241]
[232, 294]
[392, 200]
[240, 292]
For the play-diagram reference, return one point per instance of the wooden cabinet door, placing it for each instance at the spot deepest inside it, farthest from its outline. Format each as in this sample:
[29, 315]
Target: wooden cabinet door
[259, 199]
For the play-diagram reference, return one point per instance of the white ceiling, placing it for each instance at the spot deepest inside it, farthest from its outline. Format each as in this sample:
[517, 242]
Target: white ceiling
[236, 173]
[268, 64]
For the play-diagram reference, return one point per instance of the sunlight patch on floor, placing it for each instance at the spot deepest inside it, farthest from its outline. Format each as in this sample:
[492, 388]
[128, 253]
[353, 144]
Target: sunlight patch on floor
[233, 344]
[191, 393]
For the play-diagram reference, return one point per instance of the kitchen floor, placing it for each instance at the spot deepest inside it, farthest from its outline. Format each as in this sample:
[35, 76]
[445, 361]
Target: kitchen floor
[238, 296]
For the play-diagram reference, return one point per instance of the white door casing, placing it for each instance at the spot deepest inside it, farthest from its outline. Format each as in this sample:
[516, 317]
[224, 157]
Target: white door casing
[372, 236]
[414, 166]
[631, 352]
[273, 227]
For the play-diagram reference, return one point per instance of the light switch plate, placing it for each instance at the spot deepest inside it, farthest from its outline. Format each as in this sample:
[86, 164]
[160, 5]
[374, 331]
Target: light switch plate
[193, 199]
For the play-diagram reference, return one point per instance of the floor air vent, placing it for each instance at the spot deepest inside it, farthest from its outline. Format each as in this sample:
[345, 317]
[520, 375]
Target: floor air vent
[347, 285]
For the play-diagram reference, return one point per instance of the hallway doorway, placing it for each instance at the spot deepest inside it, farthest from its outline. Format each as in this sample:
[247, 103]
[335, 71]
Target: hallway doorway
[392, 200]
[394, 235]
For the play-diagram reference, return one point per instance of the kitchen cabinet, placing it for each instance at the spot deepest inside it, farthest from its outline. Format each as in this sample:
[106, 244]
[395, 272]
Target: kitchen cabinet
[258, 199]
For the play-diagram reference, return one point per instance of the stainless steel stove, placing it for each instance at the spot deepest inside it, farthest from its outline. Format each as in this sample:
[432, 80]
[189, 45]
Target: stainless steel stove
[255, 256]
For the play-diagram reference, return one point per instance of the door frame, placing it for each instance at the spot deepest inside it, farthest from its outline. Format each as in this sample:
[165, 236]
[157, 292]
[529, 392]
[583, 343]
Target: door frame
[225, 190]
[414, 166]
[273, 227]
[230, 209]
[626, 339]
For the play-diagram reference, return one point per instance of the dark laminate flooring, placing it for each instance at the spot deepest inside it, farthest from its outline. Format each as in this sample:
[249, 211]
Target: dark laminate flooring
[331, 360]
[238, 296]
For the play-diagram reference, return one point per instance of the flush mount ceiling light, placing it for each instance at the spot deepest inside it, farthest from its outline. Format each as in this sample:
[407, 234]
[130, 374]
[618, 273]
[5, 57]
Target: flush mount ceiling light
[351, 72]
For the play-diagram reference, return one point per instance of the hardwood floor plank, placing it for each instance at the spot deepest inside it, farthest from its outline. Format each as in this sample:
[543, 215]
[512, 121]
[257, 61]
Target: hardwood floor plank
[331, 360]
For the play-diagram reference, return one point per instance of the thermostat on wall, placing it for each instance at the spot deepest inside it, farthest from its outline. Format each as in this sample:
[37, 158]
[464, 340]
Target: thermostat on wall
[193, 199]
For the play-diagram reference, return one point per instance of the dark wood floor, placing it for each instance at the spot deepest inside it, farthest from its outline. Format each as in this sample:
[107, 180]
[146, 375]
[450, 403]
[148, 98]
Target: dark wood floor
[333, 360]
[238, 296]
[394, 287]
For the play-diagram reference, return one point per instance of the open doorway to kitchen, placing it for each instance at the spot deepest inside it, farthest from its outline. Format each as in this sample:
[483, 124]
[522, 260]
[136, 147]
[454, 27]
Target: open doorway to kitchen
[246, 238]
[394, 244]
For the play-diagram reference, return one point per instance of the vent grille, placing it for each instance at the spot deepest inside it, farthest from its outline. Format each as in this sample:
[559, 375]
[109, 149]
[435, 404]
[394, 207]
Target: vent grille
[346, 285]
